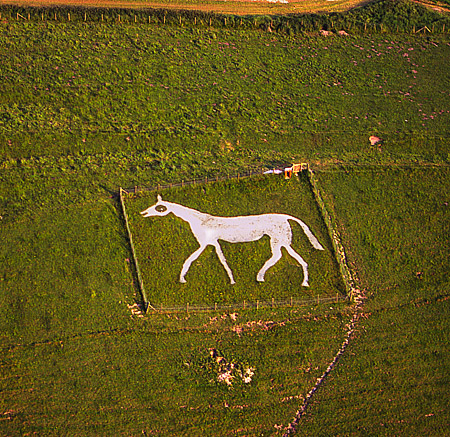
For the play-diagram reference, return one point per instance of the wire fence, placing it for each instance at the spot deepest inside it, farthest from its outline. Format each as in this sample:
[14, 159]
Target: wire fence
[235, 177]
[281, 23]
[339, 252]
[255, 305]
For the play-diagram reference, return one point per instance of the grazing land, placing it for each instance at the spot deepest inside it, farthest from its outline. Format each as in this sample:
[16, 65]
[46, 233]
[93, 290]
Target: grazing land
[88, 107]
[394, 380]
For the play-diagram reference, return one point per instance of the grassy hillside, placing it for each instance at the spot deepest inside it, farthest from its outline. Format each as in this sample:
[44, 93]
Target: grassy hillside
[86, 108]
[395, 378]
[121, 88]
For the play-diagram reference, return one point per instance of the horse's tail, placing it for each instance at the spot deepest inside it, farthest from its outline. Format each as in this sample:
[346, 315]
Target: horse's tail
[314, 241]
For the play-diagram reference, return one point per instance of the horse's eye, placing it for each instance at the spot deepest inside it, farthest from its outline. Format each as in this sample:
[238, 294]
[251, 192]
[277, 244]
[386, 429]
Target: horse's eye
[161, 208]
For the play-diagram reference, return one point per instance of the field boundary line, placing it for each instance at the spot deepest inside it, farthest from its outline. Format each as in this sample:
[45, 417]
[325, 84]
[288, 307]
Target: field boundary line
[336, 241]
[342, 166]
[262, 17]
[249, 305]
[205, 180]
[133, 252]
[292, 427]
[416, 303]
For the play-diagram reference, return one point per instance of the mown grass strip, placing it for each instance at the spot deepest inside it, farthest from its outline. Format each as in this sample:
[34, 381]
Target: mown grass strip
[352, 290]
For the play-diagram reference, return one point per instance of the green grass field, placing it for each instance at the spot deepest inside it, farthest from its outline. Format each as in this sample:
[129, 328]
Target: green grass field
[85, 109]
[121, 89]
[394, 380]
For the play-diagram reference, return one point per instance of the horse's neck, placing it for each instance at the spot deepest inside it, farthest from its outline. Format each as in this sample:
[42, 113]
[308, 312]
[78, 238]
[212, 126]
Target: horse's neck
[187, 214]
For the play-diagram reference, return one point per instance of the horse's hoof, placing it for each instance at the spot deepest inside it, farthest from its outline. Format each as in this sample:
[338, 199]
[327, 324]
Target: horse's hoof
[305, 284]
[260, 279]
[183, 281]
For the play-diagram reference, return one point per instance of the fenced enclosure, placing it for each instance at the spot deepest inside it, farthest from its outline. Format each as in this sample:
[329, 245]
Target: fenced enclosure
[190, 304]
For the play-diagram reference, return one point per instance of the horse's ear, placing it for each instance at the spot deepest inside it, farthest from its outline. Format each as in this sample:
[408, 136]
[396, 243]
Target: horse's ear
[159, 198]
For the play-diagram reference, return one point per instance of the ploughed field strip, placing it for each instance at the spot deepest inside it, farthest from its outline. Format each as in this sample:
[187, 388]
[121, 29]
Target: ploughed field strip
[237, 7]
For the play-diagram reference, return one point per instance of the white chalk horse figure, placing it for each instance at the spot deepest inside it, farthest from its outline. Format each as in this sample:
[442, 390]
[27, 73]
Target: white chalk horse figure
[209, 229]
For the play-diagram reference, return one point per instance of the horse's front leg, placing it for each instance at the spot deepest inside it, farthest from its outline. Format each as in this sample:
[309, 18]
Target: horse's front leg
[189, 261]
[224, 261]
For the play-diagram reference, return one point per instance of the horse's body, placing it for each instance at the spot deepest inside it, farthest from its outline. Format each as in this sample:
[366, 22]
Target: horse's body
[209, 229]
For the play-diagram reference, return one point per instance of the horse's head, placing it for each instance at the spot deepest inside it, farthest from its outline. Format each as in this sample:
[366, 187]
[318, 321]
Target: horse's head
[160, 208]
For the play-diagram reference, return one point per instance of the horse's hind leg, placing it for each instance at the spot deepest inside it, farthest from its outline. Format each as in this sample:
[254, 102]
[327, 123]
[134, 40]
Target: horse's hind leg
[189, 261]
[276, 255]
[224, 261]
[302, 262]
